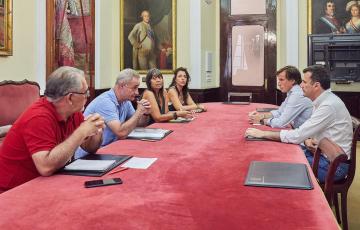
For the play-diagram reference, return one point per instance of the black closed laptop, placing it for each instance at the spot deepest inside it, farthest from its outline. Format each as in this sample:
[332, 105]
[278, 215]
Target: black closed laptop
[278, 175]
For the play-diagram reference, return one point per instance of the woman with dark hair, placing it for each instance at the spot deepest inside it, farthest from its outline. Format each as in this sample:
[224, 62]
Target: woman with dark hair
[178, 94]
[157, 96]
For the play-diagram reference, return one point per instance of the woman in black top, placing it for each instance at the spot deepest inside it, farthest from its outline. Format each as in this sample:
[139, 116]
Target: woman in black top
[157, 96]
[178, 93]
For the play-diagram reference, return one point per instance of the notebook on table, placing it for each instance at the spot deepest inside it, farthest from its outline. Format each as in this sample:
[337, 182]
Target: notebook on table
[236, 102]
[265, 109]
[252, 138]
[94, 165]
[181, 120]
[148, 133]
[278, 175]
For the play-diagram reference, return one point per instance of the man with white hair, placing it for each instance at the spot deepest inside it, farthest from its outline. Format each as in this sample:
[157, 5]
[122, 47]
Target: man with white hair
[116, 108]
[44, 138]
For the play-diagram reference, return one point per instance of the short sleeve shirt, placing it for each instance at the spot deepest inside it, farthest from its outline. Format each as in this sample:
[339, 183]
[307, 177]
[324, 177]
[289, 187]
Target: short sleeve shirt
[39, 128]
[110, 109]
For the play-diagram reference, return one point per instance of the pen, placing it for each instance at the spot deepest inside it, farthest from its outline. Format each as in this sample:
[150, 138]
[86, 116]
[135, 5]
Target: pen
[120, 170]
[148, 140]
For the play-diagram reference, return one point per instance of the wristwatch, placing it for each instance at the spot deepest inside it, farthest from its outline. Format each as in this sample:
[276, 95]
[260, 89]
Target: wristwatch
[262, 121]
[175, 115]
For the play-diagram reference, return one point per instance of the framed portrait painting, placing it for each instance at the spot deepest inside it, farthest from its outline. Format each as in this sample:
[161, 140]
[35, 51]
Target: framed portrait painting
[148, 35]
[5, 27]
[333, 17]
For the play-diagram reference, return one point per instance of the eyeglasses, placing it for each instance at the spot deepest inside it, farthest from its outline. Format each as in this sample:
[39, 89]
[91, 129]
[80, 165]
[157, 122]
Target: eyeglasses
[135, 87]
[86, 93]
[155, 77]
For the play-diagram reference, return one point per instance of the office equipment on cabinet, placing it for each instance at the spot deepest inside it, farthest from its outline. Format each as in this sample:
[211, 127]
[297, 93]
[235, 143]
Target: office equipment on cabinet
[340, 53]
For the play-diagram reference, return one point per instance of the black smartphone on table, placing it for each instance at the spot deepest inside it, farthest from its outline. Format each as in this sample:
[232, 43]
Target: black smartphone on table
[104, 182]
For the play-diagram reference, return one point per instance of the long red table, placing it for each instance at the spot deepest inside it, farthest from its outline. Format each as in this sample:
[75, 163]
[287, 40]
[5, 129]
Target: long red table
[196, 183]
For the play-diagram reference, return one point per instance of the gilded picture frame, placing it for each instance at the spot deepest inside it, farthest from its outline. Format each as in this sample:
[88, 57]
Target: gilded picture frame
[330, 17]
[6, 26]
[148, 35]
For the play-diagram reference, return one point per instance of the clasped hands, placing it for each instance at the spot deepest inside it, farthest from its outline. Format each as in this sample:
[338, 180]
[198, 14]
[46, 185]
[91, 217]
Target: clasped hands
[185, 114]
[311, 144]
[255, 117]
[93, 124]
[200, 108]
[144, 106]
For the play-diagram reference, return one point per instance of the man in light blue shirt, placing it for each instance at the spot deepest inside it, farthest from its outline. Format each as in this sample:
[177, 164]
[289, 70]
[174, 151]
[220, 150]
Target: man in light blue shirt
[115, 107]
[330, 119]
[295, 109]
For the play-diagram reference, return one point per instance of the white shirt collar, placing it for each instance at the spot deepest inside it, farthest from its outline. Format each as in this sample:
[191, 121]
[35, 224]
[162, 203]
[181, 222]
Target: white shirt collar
[321, 98]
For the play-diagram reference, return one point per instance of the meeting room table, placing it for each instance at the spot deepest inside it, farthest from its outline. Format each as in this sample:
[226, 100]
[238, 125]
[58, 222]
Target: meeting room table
[197, 182]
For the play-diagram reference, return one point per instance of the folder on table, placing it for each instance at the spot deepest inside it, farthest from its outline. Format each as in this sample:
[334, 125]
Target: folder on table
[236, 102]
[181, 120]
[278, 175]
[252, 138]
[148, 133]
[265, 109]
[94, 164]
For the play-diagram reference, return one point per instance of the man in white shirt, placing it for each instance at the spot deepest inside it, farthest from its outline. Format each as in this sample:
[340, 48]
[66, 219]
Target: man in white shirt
[296, 108]
[330, 119]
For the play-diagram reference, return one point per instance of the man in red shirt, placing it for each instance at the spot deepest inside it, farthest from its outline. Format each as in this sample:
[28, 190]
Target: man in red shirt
[45, 137]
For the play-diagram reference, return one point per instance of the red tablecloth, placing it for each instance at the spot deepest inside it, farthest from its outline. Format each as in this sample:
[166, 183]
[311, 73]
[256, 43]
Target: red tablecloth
[196, 183]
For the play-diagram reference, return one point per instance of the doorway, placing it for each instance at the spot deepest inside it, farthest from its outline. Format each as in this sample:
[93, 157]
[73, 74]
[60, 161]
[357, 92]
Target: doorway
[248, 49]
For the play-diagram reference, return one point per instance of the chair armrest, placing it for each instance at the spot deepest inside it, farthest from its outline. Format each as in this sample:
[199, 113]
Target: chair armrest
[335, 155]
[329, 149]
[4, 130]
[329, 181]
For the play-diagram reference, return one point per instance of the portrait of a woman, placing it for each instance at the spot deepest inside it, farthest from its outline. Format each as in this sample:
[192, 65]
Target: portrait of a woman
[353, 25]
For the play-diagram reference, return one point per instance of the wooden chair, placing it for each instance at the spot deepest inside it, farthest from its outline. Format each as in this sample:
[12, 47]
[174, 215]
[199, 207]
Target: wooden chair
[15, 97]
[332, 188]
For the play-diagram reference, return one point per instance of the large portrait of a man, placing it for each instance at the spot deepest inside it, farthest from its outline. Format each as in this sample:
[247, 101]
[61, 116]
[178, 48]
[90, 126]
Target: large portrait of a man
[333, 17]
[148, 35]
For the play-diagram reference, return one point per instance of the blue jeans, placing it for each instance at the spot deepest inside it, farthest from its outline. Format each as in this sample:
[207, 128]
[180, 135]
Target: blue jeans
[324, 163]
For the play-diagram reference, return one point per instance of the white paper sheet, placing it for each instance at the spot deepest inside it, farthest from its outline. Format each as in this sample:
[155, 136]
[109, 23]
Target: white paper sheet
[139, 163]
[95, 165]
